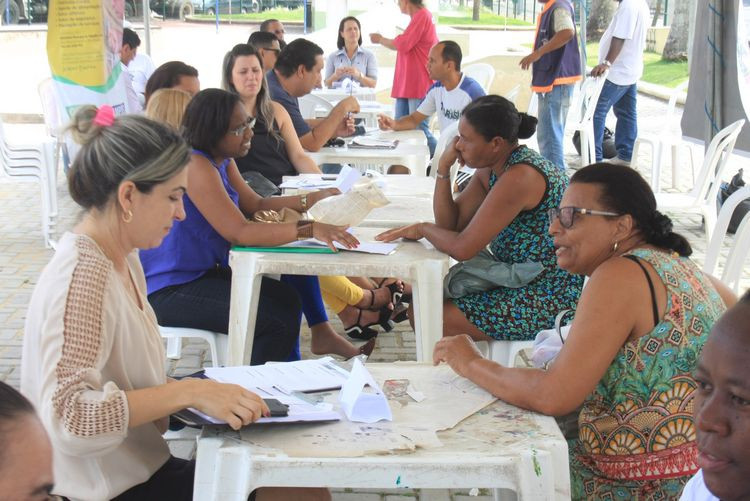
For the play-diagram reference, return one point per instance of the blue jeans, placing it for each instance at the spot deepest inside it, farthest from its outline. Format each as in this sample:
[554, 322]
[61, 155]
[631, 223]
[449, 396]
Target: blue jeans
[622, 99]
[550, 131]
[406, 107]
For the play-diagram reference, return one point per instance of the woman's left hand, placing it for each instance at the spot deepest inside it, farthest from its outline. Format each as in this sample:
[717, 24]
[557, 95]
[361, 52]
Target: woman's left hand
[317, 196]
[456, 351]
[411, 232]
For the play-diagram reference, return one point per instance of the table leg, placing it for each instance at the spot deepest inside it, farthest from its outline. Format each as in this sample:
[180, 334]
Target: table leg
[223, 468]
[243, 309]
[427, 290]
[536, 476]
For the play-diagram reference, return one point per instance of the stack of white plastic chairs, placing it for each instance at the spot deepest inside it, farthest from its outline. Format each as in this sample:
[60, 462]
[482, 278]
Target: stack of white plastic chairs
[33, 162]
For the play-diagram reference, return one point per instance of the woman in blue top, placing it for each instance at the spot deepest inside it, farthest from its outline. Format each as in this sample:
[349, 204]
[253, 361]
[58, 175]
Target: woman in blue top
[504, 207]
[351, 60]
[188, 277]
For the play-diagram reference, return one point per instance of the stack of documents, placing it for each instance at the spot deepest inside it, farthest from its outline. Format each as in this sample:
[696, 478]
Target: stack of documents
[373, 143]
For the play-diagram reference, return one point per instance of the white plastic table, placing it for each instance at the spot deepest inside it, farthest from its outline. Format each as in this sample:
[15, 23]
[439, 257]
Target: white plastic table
[335, 95]
[401, 211]
[413, 156]
[499, 447]
[416, 262]
[396, 185]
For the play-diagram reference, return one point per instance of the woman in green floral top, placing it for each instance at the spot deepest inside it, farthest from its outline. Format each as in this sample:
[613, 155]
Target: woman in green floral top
[639, 328]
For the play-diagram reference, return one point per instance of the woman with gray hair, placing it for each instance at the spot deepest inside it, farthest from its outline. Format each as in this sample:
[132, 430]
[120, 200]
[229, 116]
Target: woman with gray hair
[93, 359]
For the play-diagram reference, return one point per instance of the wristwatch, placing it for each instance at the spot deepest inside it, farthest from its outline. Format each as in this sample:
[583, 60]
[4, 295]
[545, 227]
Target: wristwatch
[304, 229]
[303, 202]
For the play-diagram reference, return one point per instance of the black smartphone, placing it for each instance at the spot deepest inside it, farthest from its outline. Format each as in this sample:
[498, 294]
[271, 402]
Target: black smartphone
[277, 408]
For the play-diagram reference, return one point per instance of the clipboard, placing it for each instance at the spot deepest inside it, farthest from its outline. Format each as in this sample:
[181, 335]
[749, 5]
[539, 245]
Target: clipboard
[285, 250]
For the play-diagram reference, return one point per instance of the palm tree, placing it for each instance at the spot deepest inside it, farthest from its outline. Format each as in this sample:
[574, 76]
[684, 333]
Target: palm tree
[599, 17]
[675, 49]
[475, 10]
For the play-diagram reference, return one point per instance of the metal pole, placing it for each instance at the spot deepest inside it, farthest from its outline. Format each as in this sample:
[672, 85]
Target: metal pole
[582, 33]
[147, 26]
[666, 7]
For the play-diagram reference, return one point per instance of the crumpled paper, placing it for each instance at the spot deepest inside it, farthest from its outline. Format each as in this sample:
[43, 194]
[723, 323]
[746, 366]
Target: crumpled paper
[350, 208]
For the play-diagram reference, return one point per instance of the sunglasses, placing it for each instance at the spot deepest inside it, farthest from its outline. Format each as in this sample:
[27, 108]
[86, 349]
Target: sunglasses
[566, 215]
[249, 124]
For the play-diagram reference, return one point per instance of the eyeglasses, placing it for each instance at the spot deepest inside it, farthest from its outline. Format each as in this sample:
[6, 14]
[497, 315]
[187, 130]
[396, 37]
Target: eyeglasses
[249, 124]
[566, 215]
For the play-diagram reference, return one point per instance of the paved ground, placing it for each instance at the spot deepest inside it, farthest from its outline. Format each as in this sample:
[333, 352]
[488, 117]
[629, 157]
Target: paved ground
[22, 254]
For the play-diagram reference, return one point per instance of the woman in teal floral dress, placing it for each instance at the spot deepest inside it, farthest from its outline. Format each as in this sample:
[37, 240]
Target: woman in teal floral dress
[504, 207]
[633, 346]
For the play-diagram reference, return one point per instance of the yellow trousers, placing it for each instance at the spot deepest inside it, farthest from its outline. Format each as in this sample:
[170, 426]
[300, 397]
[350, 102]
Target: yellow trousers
[338, 292]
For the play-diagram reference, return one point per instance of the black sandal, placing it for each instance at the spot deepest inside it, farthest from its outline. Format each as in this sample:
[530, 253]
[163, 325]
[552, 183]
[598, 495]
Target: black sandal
[397, 293]
[364, 332]
[400, 313]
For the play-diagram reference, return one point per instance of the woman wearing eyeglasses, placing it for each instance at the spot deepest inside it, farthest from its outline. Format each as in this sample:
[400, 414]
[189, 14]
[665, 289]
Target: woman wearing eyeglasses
[504, 207]
[632, 348]
[188, 277]
[351, 60]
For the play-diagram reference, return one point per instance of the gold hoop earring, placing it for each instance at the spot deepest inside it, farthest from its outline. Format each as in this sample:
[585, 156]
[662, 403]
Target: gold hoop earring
[614, 247]
[127, 216]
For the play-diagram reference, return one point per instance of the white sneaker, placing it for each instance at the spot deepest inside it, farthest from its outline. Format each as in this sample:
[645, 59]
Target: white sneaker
[617, 161]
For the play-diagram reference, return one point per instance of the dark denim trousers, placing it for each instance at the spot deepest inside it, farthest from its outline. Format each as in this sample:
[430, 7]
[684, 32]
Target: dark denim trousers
[622, 100]
[204, 304]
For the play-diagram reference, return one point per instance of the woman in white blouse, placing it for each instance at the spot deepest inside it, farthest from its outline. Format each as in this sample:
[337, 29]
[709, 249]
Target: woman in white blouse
[93, 360]
[351, 60]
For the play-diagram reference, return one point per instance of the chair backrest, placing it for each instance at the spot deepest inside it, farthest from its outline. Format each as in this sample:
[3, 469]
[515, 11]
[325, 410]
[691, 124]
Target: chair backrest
[446, 136]
[483, 73]
[714, 162]
[309, 103]
[740, 245]
[512, 94]
[586, 99]
[669, 117]
[50, 108]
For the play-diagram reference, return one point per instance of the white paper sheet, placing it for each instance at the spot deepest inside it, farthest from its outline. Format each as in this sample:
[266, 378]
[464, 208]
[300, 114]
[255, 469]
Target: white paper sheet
[299, 412]
[347, 178]
[366, 247]
[270, 379]
[360, 403]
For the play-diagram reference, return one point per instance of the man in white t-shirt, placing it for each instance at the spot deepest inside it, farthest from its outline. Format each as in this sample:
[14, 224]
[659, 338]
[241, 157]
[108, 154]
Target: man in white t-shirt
[621, 52]
[448, 96]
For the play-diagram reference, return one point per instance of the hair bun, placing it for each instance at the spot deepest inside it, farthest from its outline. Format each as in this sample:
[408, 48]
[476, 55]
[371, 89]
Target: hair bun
[527, 127]
[661, 225]
[82, 126]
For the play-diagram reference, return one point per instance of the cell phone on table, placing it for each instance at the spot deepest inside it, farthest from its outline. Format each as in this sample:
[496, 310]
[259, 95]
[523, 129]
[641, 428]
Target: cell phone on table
[277, 408]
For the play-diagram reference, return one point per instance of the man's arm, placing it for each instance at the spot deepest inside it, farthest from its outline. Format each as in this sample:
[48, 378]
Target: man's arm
[615, 47]
[409, 122]
[324, 129]
[560, 39]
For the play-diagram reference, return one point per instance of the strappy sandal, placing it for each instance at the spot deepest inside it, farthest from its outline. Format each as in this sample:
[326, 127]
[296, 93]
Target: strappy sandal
[364, 332]
[397, 293]
[400, 313]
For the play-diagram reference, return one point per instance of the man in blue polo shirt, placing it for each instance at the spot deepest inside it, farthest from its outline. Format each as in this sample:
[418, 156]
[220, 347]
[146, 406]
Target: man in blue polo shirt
[297, 73]
[448, 96]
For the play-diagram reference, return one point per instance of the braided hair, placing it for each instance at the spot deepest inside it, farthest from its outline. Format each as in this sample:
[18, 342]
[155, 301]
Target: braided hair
[624, 191]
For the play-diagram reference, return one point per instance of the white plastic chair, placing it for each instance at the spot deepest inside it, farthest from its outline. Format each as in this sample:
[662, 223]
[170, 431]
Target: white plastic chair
[739, 247]
[702, 198]
[503, 352]
[512, 94]
[54, 124]
[483, 73]
[583, 122]
[665, 139]
[446, 136]
[34, 163]
[217, 342]
[309, 104]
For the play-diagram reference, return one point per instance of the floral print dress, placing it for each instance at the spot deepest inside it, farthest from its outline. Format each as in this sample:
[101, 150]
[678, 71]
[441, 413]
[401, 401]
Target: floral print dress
[636, 436]
[520, 313]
